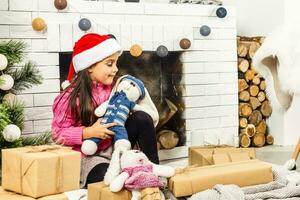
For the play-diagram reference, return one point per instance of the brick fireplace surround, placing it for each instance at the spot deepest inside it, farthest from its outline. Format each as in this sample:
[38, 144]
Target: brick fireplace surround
[210, 72]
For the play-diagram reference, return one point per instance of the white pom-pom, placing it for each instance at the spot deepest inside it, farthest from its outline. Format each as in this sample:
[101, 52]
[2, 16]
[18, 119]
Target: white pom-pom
[10, 98]
[8, 82]
[11, 133]
[65, 84]
[3, 62]
[89, 147]
[290, 164]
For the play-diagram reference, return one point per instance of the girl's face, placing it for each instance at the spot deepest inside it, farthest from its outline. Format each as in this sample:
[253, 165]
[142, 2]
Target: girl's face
[105, 70]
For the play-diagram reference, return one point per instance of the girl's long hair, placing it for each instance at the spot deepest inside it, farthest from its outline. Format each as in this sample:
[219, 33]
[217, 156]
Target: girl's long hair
[81, 90]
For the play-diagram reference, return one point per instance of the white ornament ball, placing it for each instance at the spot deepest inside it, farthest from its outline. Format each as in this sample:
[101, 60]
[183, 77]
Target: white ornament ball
[10, 98]
[8, 82]
[3, 62]
[11, 133]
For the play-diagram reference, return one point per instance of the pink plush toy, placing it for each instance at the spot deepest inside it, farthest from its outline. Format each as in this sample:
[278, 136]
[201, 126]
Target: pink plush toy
[137, 173]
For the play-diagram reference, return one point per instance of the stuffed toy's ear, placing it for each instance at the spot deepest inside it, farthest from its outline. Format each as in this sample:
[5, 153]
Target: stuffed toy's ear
[146, 102]
[149, 106]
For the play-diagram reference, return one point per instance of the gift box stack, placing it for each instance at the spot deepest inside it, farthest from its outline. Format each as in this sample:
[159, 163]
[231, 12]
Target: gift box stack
[40, 172]
[219, 165]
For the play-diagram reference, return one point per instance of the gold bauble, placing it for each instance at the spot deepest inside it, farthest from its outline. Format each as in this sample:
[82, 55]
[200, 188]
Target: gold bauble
[38, 24]
[136, 50]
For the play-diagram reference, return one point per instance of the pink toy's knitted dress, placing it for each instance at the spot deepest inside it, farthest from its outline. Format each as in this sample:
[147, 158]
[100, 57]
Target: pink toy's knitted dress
[141, 177]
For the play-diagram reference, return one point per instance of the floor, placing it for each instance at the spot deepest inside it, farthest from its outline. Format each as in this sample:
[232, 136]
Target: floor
[272, 154]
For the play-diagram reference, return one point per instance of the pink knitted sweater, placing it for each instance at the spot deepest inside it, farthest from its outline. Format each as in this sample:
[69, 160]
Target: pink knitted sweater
[141, 177]
[64, 129]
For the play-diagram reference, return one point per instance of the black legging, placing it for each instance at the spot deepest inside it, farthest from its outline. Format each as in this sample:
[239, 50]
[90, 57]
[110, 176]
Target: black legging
[141, 131]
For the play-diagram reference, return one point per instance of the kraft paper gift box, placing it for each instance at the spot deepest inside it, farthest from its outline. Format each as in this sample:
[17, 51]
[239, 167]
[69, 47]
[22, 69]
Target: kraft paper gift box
[150, 194]
[191, 180]
[6, 195]
[100, 191]
[204, 155]
[41, 170]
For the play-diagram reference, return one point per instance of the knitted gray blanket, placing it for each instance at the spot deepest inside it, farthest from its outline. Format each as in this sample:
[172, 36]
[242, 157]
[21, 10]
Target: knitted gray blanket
[280, 189]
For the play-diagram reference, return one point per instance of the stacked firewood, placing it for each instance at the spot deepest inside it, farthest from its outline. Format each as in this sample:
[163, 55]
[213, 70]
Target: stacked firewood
[254, 107]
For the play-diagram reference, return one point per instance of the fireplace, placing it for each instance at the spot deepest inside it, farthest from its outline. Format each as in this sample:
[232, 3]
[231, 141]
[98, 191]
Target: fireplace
[207, 83]
[163, 79]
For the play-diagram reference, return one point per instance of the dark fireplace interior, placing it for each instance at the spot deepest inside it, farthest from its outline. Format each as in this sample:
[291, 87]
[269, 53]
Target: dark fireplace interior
[162, 77]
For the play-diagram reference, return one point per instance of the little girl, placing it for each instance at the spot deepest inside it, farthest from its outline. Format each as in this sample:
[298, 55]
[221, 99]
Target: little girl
[94, 60]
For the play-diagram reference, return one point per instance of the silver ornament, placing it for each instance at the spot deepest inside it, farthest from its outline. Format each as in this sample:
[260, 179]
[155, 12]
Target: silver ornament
[162, 51]
[205, 30]
[84, 24]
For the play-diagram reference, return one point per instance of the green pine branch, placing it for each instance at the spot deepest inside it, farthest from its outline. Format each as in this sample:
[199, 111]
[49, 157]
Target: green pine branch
[39, 139]
[4, 117]
[25, 77]
[16, 114]
[13, 50]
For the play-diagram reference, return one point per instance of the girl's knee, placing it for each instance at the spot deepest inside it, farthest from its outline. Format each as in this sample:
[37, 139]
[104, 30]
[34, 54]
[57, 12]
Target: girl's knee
[142, 117]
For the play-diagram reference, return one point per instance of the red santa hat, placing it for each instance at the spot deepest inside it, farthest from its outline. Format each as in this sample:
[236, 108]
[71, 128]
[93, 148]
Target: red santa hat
[88, 50]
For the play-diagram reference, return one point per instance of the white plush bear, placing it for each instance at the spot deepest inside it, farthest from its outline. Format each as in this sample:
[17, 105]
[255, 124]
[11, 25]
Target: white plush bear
[137, 173]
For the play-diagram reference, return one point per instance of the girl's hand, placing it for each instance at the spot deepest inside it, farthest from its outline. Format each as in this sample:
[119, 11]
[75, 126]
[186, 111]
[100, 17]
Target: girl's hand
[98, 130]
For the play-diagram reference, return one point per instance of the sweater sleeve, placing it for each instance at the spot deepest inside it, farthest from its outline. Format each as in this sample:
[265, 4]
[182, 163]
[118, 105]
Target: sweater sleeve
[63, 129]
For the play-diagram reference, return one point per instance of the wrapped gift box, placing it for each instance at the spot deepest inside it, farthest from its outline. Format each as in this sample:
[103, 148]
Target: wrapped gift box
[204, 155]
[6, 195]
[196, 179]
[41, 170]
[100, 191]
[150, 194]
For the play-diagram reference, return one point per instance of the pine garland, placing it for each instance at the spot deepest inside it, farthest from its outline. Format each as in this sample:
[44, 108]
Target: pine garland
[4, 121]
[16, 114]
[26, 77]
[4, 117]
[39, 139]
[14, 52]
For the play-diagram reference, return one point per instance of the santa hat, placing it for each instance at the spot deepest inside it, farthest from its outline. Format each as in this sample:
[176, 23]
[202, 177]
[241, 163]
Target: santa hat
[88, 50]
[146, 102]
[277, 60]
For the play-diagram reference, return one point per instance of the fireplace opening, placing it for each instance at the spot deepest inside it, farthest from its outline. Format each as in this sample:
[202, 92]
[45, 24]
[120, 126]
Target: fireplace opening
[163, 79]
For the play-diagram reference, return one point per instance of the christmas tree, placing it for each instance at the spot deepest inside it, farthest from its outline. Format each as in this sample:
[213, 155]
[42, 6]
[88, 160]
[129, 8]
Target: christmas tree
[16, 76]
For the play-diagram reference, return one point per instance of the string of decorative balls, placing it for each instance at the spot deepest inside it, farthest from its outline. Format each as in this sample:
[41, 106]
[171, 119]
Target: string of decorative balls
[38, 24]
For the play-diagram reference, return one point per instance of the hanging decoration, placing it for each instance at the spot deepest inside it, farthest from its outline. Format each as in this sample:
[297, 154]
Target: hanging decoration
[221, 12]
[84, 24]
[60, 4]
[205, 30]
[8, 82]
[162, 51]
[11, 133]
[185, 43]
[10, 98]
[136, 50]
[38, 24]
[3, 62]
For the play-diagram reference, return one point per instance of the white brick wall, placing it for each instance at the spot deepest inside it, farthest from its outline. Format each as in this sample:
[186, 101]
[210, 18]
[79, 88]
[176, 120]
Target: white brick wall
[210, 75]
